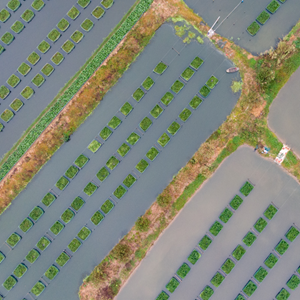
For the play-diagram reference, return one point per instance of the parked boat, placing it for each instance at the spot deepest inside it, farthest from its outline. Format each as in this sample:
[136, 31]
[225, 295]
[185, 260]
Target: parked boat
[232, 70]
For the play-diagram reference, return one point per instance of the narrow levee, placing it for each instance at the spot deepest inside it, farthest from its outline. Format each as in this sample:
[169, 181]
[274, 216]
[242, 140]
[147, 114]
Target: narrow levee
[196, 125]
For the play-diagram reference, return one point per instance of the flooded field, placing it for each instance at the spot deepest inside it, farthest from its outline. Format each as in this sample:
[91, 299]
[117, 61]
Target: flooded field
[166, 47]
[271, 186]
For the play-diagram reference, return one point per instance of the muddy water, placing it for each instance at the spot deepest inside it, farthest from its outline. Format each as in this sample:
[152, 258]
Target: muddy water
[272, 184]
[234, 27]
[284, 113]
[203, 121]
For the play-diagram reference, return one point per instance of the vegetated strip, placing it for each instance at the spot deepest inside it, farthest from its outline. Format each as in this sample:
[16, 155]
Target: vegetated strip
[51, 112]
[262, 77]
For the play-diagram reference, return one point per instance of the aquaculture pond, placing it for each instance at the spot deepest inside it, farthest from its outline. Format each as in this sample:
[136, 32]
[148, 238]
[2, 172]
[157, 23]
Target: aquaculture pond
[241, 14]
[38, 44]
[114, 180]
[233, 265]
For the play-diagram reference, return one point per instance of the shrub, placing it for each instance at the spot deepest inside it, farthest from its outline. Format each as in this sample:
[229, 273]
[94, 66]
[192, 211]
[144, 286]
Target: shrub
[9, 283]
[81, 161]
[28, 15]
[187, 74]
[74, 245]
[120, 192]
[77, 203]
[20, 270]
[51, 272]
[17, 27]
[38, 80]
[2, 257]
[27, 92]
[206, 293]
[238, 252]
[216, 228]
[73, 13]
[195, 102]
[152, 153]
[24, 69]
[4, 15]
[71, 172]
[204, 91]
[225, 215]
[26, 225]
[249, 288]
[160, 68]
[185, 114]
[249, 239]
[164, 140]
[205, 242]
[114, 122]
[44, 46]
[68, 46]
[107, 206]
[36, 213]
[43, 243]
[7, 115]
[293, 282]
[236, 86]
[54, 35]
[47, 69]
[87, 25]
[62, 259]
[236, 202]
[77, 36]
[13, 4]
[196, 63]
[63, 24]
[142, 224]
[38, 4]
[124, 149]
[246, 189]
[98, 12]
[194, 256]
[112, 162]
[270, 212]
[107, 3]
[228, 266]
[90, 188]
[57, 227]
[164, 200]
[260, 274]
[292, 234]
[162, 296]
[260, 224]
[145, 124]
[126, 109]
[156, 111]
[167, 98]
[62, 183]
[67, 215]
[283, 295]
[177, 86]
[105, 133]
[281, 247]
[13, 80]
[102, 174]
[147, 84]
[13, 240]
[121, 252]
[217, 279]
[271, 261]
[94, 146]
[183, 270]
[253, 28]
[129, 180]
[138, 94]
[133, 138]
[263, 18]
[172, 285]
[84, 3]
[273, 6]
[97, 217]
[48, 199]
[32, 256]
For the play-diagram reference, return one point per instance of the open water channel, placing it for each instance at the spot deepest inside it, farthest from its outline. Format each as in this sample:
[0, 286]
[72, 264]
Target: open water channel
[165, 46]
[272, 185]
